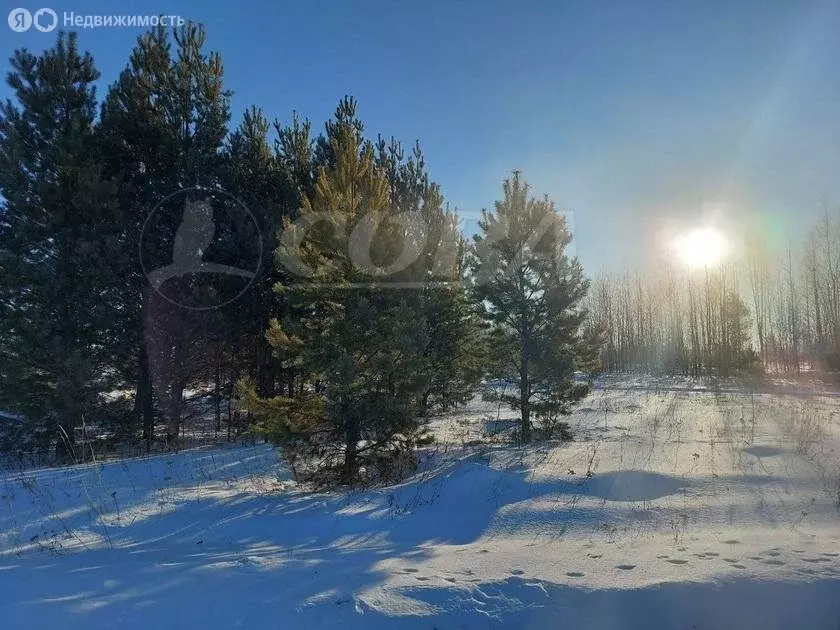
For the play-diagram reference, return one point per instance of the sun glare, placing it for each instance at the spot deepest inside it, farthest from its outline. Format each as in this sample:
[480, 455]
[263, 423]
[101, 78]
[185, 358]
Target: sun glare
[701, 248]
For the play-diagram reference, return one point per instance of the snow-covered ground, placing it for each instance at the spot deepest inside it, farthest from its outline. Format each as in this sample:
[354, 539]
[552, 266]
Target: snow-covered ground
[676, 507]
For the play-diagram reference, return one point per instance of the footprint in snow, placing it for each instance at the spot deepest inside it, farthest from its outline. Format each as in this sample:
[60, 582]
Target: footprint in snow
[731, 542]
[452, 580]
[662, 556]
[626, 567]
[594, 556]
[773, 553]
[517, 572]
[773, 562]
[677, 561]
[739, 566]
[575, 574]
[412, 571]
[421, 578]
[830, 554]
[730, 560]
[812, 560]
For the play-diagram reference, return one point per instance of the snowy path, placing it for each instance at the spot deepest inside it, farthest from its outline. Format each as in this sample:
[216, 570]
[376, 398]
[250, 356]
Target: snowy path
[700, 511]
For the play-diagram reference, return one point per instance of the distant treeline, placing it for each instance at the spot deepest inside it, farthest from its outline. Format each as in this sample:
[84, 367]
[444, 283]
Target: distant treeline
[776, 311]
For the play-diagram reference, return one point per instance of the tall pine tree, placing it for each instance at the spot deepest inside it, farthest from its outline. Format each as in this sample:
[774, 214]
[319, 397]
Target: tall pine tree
[56, 230]
[453, 358]
[164, 124]
[530, 292]
[361, 342]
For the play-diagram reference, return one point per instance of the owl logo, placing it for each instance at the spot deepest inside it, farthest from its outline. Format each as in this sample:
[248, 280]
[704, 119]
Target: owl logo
[190, 245]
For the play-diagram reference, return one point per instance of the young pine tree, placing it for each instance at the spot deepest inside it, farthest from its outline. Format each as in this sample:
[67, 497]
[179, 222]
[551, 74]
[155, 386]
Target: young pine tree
[530, 291]
[359, 343]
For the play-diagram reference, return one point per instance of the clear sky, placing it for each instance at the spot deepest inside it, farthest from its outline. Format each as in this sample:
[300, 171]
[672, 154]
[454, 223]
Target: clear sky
[638, 117]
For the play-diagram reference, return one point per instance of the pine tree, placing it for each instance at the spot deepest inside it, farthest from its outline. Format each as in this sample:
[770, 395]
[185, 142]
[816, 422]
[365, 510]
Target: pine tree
[164, 123]
[530, 292]
[56, 281]
[452, 361]
[254, 176]
[361, 342]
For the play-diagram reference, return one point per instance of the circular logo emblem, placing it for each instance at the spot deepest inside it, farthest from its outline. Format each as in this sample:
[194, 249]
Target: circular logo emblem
[200, 248]
[20, 20]
[49, 22]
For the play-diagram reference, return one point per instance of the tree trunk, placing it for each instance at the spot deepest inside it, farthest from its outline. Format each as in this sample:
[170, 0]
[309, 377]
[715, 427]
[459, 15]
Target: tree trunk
[265, 369]
[217, 394]
[525, 395]
[173, 417]
[143, 399]
[229, 415]
[351, 443]
[424, 402]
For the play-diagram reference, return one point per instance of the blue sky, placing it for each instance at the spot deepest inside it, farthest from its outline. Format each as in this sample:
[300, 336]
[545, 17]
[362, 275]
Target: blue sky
[640, 118]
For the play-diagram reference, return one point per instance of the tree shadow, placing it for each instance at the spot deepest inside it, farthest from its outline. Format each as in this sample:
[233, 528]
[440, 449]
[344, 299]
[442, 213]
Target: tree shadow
[223, 557]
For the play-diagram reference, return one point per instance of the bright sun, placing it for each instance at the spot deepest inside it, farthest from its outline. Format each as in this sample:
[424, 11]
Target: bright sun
[701, 247]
